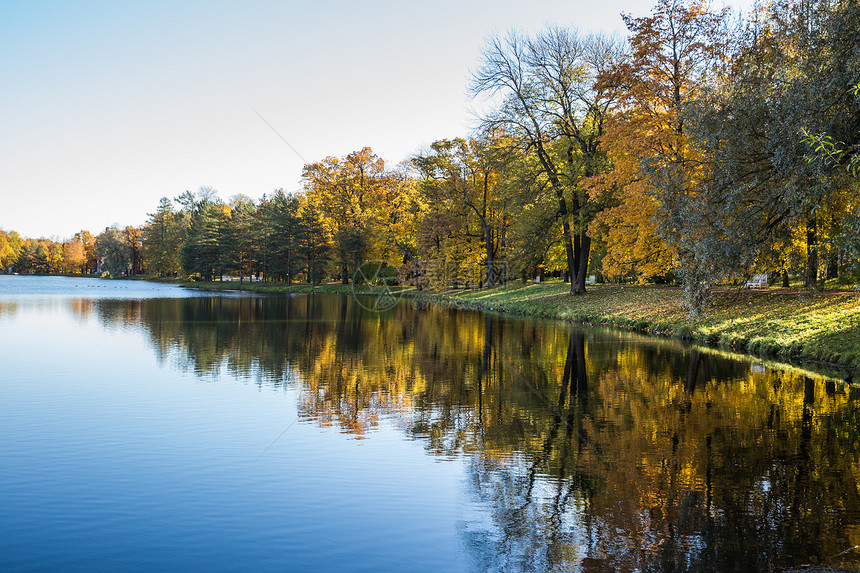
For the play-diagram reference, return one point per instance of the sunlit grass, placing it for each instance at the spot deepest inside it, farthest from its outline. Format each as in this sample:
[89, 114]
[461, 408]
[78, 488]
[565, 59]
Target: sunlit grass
[799, 324]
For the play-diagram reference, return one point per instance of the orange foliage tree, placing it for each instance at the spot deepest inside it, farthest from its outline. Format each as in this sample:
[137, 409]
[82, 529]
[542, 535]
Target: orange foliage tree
[655, 162]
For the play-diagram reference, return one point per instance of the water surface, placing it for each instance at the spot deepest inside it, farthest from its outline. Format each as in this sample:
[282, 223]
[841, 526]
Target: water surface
[156, 430]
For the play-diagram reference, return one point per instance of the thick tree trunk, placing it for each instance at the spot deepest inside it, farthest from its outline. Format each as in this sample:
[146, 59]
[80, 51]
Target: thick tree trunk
[581, 251]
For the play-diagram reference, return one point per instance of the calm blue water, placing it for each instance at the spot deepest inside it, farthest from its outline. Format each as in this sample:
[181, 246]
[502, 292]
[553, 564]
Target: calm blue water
[114, 461]
[144, 427]
[17, 287]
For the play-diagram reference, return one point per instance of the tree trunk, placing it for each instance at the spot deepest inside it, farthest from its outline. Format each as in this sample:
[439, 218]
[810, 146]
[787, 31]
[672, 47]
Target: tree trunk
[568, 242]
[833, 265]
[811, 279]
[562, 211]
[488, 245]
[582, 248]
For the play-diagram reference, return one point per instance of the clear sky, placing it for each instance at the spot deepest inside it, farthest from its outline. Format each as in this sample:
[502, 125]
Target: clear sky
[105, 107]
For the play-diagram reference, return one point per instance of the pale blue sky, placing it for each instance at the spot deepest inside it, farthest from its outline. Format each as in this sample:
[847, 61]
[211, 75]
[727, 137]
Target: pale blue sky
[107, 106]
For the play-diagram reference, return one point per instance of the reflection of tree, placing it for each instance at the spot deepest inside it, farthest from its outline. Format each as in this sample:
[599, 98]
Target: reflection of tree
[584, 449]
[539, 521]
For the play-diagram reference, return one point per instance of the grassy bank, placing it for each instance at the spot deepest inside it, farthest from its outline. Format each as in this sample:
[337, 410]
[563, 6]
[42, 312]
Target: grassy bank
[822, 326]
[782, 323]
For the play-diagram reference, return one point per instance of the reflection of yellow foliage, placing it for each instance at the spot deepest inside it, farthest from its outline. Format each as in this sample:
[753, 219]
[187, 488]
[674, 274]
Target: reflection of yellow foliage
[82, 307]
[644, 437]
[8, 308]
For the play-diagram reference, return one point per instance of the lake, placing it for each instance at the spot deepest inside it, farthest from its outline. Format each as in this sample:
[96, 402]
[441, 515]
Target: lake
[147, 427]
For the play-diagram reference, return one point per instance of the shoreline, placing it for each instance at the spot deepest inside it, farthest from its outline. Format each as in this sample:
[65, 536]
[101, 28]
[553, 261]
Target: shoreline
[818, 326]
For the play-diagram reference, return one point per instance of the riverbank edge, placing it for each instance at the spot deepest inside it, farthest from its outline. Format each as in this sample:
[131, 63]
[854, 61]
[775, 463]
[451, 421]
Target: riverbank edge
[788, 325]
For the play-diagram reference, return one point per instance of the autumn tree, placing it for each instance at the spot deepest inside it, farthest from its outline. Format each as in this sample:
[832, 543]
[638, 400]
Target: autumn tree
[39, 256]
[74, 256]
[395, 216]
[552, 107]
[534, 241]
[89, 242]
[56, 262]
[657, 166]
[10, 249]
[463, 178]
[836, 142]
[843, 159]
[763, 201]
[346, 195]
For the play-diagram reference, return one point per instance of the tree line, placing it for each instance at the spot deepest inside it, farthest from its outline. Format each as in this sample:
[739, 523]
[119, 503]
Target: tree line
[702, 149]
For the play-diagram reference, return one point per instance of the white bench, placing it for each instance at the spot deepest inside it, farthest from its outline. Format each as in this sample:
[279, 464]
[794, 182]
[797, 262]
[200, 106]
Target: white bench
[757, 281]
[591, 280]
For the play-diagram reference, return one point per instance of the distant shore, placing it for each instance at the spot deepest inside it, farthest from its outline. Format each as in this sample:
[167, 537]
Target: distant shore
[777, 323]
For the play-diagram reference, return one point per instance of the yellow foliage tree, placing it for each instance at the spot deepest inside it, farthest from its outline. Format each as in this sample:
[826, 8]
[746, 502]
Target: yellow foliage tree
[364, 207]
[74, 256]
[10, 248]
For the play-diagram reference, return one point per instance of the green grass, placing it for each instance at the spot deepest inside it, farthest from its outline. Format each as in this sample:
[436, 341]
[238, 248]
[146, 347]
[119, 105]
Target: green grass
[781, 323]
